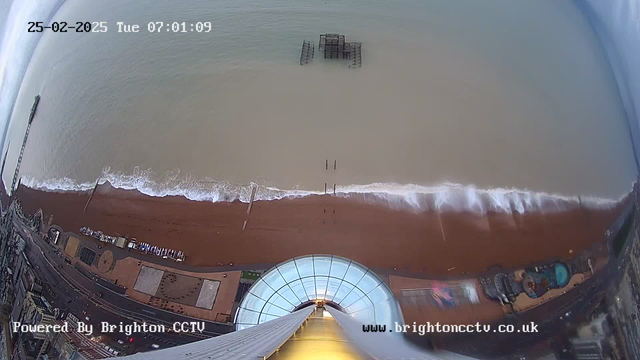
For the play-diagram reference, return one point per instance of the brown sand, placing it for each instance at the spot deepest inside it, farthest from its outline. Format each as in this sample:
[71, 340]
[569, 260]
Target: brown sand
[374, 235]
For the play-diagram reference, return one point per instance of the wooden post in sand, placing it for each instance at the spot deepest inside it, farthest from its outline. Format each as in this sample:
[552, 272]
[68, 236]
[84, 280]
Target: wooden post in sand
[335, 162]
[584, 210]
[253, 195]
[91, 196]
[441, 227]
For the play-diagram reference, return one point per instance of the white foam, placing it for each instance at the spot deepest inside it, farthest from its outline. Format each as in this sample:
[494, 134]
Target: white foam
[168, 184]
[446, 196]
[457, 197]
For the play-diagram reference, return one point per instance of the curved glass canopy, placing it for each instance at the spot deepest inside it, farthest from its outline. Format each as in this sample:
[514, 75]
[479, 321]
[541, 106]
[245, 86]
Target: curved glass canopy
[357, 290]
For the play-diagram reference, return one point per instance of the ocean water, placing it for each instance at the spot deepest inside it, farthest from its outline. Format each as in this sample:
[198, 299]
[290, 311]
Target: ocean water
[498, 104]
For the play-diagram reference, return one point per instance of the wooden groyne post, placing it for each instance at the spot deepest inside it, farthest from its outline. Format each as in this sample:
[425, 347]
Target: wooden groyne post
[253, 196]
[91, 196]
[444, 237]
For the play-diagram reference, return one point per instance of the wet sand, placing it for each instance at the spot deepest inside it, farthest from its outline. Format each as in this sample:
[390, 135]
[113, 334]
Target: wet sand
[374, 235]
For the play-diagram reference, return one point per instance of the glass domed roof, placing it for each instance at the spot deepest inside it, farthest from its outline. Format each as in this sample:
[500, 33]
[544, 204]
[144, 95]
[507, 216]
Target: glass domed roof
[352, 287]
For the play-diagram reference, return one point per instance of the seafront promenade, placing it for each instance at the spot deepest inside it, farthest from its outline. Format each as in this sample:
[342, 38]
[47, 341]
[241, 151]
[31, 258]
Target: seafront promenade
[140, 287]
[127, 266]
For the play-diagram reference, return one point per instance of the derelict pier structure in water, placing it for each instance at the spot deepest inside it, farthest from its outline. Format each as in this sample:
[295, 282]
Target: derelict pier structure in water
[333, 46]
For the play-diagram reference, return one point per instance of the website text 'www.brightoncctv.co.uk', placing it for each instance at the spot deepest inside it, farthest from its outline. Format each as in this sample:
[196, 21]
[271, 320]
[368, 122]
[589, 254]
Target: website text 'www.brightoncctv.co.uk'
[428, 327]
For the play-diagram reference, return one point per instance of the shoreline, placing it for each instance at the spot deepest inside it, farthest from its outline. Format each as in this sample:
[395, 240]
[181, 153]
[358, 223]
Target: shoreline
[445, 196]
[375, 235]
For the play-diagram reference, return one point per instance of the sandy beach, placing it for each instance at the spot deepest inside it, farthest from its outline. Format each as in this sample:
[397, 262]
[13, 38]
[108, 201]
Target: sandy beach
[374, 235]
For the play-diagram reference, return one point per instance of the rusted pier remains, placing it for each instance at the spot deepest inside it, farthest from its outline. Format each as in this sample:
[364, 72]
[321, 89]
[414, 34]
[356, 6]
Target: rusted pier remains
[356, 55]
[333, 46]
[307, 53]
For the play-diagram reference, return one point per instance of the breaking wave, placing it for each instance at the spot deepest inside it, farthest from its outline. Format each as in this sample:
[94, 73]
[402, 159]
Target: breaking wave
[446, 197]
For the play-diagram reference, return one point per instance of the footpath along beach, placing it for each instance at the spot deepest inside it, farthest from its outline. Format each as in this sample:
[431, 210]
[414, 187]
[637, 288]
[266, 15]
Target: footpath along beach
[428, 243]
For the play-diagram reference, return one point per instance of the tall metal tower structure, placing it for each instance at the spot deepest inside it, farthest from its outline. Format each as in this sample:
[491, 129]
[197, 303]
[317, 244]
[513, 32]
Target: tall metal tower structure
[24, 143]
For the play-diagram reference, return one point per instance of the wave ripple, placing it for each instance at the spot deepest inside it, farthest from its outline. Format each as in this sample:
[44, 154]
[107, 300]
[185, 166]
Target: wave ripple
[443, 197]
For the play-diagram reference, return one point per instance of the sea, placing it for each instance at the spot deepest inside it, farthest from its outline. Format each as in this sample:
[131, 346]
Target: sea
[480, 105]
